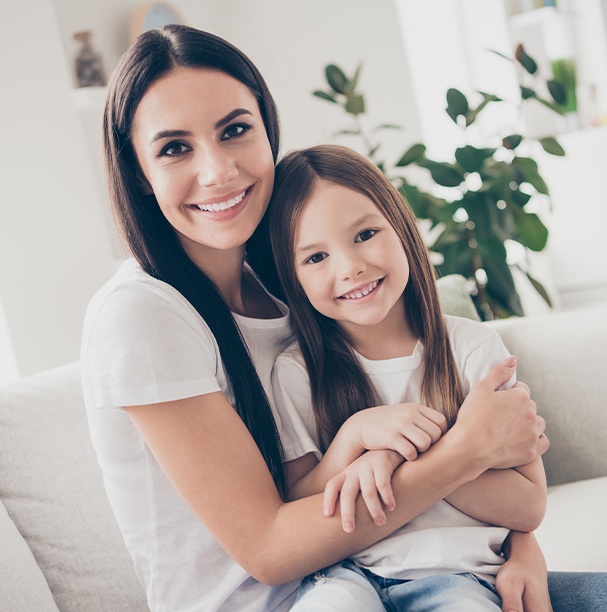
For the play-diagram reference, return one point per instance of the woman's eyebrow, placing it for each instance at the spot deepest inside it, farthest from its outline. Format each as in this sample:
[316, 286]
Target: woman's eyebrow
[183, 133]
[232, 115]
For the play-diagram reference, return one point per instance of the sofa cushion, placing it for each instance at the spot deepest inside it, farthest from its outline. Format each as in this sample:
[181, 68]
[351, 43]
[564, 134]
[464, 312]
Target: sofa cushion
[23, 587]
[52, 488]
[562, 356]
[455, 298]
[574, 531]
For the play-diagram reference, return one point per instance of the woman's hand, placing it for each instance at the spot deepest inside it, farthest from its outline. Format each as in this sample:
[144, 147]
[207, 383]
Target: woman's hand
[370, 474]
[522, 582]
[408, 429]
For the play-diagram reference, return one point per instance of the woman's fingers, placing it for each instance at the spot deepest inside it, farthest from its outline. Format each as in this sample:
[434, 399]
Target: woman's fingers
[331, 494]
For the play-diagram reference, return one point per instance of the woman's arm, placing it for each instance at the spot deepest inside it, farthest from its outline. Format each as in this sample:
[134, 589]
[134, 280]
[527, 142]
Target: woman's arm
[513, 498]
[209, 456]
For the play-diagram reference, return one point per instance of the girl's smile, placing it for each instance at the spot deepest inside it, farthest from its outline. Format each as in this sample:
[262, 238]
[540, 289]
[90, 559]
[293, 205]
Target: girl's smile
[362, 292]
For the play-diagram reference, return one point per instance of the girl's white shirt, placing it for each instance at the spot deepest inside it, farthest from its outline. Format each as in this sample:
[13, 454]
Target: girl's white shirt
[441, 539]
[144, 343]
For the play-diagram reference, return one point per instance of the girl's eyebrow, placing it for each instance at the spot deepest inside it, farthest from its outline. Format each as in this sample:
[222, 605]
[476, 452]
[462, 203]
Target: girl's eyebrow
[184, 133]
[359, 221]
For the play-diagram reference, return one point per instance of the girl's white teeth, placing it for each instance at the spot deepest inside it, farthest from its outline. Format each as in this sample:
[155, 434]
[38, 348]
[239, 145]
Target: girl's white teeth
[361, 292]
[221, 205]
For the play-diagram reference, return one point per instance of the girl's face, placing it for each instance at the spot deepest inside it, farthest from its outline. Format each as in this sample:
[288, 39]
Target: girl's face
[349, 260]
[204, 153]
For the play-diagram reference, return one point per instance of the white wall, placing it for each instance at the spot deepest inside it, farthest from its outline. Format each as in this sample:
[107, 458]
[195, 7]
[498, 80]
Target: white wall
[54, 248]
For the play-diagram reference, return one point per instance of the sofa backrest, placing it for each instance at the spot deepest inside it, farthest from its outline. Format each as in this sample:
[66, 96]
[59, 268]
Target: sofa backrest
[52, 489]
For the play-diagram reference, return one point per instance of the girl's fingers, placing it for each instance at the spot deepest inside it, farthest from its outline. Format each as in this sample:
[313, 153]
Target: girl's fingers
[384, 487]
[347, 500]
[402, 446]
[331, 494]
[368, 488]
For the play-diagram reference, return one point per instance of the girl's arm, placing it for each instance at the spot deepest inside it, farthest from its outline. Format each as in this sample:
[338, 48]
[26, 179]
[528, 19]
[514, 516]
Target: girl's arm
[409, 429]
[513, 498]
[206, 451]
[522, 581]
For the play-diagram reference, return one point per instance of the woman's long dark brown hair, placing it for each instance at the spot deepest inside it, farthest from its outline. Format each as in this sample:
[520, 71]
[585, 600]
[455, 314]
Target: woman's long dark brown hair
[151, 238]
[339, 384]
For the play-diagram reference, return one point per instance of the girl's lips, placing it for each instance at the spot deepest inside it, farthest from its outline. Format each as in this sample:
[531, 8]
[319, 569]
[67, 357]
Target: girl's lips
[362, 291]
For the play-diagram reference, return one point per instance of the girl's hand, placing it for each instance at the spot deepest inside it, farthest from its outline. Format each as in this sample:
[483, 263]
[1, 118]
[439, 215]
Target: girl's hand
[408, 429]
[370, 474]
[522, 581]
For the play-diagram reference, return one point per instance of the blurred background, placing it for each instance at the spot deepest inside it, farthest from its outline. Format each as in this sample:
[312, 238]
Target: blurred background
[57, 243]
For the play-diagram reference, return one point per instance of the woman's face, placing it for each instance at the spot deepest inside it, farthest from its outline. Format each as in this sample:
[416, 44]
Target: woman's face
[204, 153]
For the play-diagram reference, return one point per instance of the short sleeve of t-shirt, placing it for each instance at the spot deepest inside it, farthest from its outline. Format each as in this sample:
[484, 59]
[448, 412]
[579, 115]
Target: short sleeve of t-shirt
[143, 343]
[293, 402]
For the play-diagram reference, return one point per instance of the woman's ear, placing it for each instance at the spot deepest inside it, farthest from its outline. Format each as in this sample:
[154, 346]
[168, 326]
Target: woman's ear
[143, 184]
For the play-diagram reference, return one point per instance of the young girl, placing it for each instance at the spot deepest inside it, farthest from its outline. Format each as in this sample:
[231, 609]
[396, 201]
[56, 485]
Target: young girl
[369, 328]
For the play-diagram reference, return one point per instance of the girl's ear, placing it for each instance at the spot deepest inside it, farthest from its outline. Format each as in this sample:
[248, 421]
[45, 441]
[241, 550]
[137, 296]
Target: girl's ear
[143, 184]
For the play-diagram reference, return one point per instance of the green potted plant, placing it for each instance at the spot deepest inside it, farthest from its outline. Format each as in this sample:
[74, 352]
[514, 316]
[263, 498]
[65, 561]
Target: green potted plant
[490, 187]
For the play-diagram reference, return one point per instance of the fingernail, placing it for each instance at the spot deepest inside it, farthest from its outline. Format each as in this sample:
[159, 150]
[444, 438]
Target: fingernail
[326, 511]
[348, 528]
[380, 521]
[510, 361]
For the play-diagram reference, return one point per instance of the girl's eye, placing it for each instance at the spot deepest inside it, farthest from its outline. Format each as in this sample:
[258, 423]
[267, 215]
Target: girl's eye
[316, 258]
[233, 131]
[365, 235]
[174, 149]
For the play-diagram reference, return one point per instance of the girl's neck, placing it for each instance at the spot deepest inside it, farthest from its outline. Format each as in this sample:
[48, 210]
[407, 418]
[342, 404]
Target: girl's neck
[389, 339]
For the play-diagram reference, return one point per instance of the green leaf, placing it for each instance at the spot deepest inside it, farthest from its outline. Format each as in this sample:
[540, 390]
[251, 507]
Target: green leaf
[387, 126]
[355, 104]
[551, 105]
[457, 104]
[525, 60]
[324, 96]
[490, 97]
[557, 91]
[527, 92]
[537, 286]
[471, 159]
[512, 141]
[501, 289]
[351, 85]
[446, 175]
[411, 155]
[552, 146]
[532, 233]
[336, 78]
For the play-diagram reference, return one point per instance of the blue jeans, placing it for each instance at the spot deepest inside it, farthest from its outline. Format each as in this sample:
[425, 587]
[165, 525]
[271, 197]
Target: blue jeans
[583, 591]
[345, 586]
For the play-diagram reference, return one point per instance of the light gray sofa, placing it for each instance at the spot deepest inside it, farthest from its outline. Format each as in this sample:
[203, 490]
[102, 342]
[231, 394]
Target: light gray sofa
[59, 546]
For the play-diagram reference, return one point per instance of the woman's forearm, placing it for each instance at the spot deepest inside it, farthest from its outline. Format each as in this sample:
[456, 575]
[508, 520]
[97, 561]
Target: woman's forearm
[513, 498]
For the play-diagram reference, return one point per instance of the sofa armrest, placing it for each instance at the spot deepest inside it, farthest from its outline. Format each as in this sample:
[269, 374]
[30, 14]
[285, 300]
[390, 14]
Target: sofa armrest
[562, 356]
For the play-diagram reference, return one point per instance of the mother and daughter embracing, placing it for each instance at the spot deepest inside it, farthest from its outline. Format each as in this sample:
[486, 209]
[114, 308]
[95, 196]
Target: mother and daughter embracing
[283, 417]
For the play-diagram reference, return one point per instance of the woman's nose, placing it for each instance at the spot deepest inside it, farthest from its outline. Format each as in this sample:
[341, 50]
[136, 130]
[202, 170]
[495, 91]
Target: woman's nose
[217, 167]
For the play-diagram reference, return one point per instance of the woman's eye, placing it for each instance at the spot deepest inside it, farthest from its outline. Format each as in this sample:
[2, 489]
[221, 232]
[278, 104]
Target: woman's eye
[365, 235]
[173, 149]
[233, 131]
[316, 258]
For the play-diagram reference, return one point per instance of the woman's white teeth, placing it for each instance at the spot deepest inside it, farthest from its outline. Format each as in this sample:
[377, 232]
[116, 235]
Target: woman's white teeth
[361, 292]
[221, 205]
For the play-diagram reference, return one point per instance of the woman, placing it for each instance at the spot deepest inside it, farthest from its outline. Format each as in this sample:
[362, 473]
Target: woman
[178, 347]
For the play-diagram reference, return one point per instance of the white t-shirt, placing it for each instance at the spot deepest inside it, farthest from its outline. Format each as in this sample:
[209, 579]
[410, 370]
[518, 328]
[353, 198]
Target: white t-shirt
[144, 343]
[441, 539]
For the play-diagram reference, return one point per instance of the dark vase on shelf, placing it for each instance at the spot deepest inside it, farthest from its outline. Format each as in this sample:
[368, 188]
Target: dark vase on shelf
[88, 62]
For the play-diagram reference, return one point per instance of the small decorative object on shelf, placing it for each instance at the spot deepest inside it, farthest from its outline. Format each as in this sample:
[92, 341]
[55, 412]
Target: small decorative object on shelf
[88, 62]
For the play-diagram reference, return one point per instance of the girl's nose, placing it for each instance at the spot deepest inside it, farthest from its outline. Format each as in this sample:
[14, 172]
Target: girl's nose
[352, 266]
[217, 167]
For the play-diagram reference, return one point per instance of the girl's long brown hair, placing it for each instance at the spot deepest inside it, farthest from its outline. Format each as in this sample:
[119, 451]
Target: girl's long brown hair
[339, 384]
